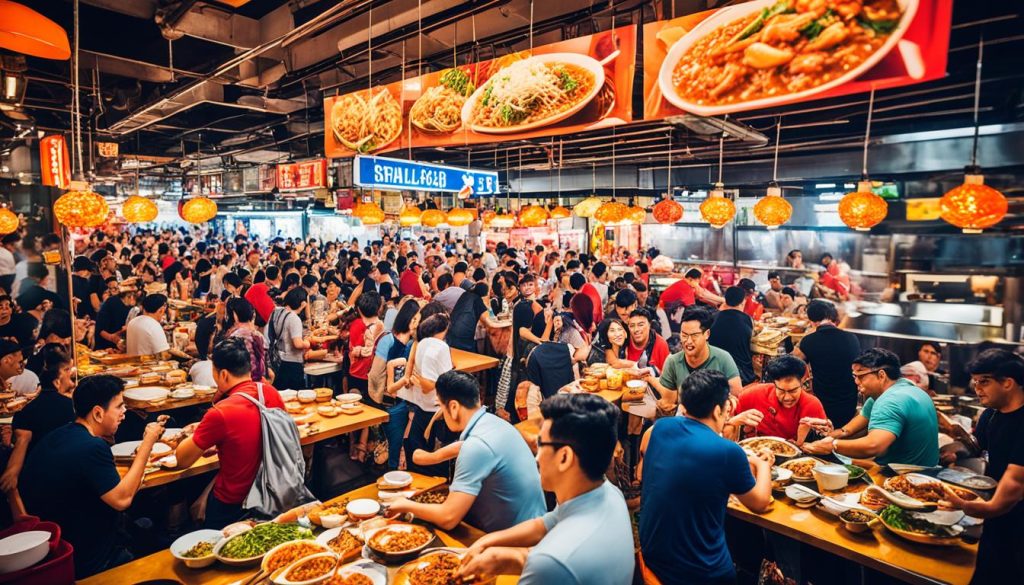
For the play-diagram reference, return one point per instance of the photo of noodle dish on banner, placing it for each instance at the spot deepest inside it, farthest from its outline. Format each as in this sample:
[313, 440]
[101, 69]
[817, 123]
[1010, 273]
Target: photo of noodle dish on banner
[562, 88]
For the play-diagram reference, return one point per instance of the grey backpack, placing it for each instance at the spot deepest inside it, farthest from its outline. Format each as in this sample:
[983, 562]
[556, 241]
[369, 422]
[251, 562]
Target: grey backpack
[280, 480]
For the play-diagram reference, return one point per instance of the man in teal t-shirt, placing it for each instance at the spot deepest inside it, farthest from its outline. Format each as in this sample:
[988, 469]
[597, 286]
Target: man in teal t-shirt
[900, 418]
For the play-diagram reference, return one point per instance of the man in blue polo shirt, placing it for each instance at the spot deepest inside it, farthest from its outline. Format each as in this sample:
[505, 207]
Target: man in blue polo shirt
[587, 539]
[496, 483]
[689, 471]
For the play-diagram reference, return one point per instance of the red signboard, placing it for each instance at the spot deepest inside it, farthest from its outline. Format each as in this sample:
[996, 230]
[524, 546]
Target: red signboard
[53, 158]
[311, 174]
[767, 53]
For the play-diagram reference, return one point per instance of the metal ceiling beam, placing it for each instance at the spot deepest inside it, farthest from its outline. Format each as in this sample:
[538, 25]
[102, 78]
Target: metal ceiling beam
[144, 9]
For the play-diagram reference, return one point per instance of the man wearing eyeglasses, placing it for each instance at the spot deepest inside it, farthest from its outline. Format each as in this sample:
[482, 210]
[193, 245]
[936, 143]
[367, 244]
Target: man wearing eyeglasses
[900, 418]
[776, 409]
[587, 539]
[697, 355]
[997, 377]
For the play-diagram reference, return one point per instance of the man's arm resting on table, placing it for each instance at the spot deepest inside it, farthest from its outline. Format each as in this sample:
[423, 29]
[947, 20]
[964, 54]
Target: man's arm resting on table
[121, 496]
[187, 453]
[445, 516]
[9, 480]
[527, 533]
[875, 443]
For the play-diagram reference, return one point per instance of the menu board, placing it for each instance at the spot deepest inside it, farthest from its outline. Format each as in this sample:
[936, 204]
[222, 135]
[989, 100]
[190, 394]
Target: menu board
[768, 53]
[311, 174]
[562, 88]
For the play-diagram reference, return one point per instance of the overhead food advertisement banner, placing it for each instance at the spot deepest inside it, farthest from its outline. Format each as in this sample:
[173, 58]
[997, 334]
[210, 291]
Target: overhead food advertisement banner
[562, 88]
[310, 174]
[767, 53]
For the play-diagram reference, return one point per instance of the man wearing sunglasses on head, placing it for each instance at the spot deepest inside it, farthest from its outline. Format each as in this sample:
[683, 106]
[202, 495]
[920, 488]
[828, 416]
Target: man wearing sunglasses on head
[776, 409]
[900, 418]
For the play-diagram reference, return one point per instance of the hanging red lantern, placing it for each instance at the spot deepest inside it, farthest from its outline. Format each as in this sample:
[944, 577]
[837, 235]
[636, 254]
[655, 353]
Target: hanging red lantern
[636, 215]
[667, 211]
[772, 210]
[560, 212]
[9, 222]
[717, 209]
[611, 212]
[862, 209]
[973, 206]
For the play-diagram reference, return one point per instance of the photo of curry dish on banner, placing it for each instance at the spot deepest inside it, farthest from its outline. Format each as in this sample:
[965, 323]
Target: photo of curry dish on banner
[566, 87]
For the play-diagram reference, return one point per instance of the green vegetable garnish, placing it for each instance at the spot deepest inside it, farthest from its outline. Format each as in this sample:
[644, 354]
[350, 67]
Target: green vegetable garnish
[511, 115]
[879, 27]
[458, 81]
[487, 94]
[782, 7]
[814, 28]
[262, 538]
[569, 83]
[855, 471]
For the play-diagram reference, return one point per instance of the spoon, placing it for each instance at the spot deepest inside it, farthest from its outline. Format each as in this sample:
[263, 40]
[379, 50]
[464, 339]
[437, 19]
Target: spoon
[903, 501]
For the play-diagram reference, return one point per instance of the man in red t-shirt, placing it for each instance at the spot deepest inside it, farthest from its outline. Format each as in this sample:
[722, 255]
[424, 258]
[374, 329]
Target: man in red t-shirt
[645, 347]
[777, 409]
[679, 291]
[579, 283]
[233, 426]
[410, 284]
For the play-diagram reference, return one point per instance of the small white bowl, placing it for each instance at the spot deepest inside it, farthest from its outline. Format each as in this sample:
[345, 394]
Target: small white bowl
[187, 541]
[332, 520]
[287, 395]
[398, 478]
[22, 550]
[307, 396]
[362, 508]
[800, 496]
[349, 398]
[831, 477]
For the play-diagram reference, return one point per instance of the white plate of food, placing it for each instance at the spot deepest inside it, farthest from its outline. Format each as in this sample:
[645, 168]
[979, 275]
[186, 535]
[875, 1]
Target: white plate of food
[728, 63]
[568, 81]
[396, 540]
[127, 449]
[366, 121]
[195, 549]
[361, 572]
[147, 394]
[777, 445]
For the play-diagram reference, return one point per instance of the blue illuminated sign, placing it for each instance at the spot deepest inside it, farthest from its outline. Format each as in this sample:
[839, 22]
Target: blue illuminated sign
[389, 173]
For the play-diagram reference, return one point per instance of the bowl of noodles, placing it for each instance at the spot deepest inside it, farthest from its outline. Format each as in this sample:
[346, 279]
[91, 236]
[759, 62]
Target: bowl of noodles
[439, 109]
[765, 53]
[533, 92]
[366, 121]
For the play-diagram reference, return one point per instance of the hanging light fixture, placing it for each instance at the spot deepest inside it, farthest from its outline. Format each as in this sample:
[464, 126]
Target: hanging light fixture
[588, 206]
[863, 209]
[410, 216]
[139, 209]
[974, 206]
[199, 210]
[772, 210]
[433, 217]
[460, 216]
[635, 214]
[718, 209]
[533, 216]
[503, 220]
[24, 30]
[560, 212]
[9, 221]
[612, 212]
[668, 210]
[371, 214]
[487, 217]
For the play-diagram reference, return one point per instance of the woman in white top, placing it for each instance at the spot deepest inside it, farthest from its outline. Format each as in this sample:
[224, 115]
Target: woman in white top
[431, 357]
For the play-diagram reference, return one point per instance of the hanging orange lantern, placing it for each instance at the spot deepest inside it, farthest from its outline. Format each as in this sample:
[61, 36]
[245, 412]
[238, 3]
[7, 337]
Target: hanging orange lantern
[410, 216]
[503, 220]
[9, 222]
[138, 209]
[488, 216]
[433, 217]
[667, 211]
[862, 209]
[199, 210]
[81, 208]
[460, 216]
[587, 207]
[974, 205]
[717, 209]
[533, 216]
[636, 215]
[371, 214]
[560, 212]
[611, 212]
[772, 210]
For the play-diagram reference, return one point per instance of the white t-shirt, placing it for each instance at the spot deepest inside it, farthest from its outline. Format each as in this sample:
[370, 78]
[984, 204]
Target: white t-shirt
[602, 290]
[202, 373]
[433, 358]
[6, 262]
[24, 383]
[145, 336]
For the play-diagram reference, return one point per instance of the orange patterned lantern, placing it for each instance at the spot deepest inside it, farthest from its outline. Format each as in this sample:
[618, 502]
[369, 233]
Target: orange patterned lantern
[9, 222]
[611, 212]
[488, 216]
[433, 217]
[138, 209]
[560, 212]
[371, 214]
[199, 210]
[717, 209]
[587, 207]
[533, 216]
[410, 216]
[667, 211]
[862, 209]
[503, 220]
[460, 217]
[636, 215]
[81, 208]
[772, 210]
[974, 205]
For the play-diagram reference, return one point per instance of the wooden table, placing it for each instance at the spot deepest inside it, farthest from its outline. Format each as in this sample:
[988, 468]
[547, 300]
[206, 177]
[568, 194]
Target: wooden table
[171, 404]
[162, 565]
[321, 368]
[328, 428]
[877, 549]
[530, 428]
[470, 362]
